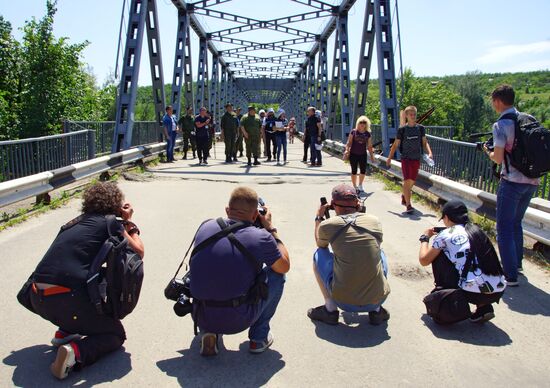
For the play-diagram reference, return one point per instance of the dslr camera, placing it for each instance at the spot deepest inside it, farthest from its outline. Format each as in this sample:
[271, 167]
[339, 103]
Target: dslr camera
[489, 144]
[179, 290]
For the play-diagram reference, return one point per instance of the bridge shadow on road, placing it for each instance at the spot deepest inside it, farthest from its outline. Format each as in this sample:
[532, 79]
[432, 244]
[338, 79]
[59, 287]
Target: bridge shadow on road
[527, 299]
[355, 332]
[230, 368]
[32, 368]
[486, 334]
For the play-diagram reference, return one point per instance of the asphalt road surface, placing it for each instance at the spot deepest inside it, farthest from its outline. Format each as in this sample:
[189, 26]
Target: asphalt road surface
[161, 350]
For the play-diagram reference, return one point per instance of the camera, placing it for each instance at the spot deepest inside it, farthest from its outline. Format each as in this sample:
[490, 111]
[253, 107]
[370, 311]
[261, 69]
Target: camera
[179, 290]
[481, 144]
[262, 211]
[439, 229]
[324, 202]
[486, 288]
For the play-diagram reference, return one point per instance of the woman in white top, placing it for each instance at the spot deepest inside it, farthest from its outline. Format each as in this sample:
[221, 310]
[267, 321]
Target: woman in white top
[463, 244]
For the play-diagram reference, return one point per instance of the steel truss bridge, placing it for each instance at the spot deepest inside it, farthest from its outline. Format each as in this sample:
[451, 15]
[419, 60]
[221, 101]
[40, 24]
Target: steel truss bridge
[244, 71]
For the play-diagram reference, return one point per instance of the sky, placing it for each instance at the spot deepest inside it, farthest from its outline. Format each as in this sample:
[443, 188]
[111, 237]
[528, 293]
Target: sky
[438, 37]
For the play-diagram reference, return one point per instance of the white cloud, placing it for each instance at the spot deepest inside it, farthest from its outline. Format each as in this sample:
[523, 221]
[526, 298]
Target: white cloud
[513, 52]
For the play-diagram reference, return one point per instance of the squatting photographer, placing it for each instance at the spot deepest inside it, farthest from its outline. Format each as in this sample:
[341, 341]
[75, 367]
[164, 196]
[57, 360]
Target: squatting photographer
[236, 276]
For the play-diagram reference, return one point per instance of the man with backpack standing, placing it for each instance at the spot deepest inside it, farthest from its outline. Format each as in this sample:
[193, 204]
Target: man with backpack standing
[515, 188]
[411, 139]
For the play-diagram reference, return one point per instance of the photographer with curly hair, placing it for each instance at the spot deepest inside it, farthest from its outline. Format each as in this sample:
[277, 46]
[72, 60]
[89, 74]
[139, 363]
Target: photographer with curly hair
[59, 292]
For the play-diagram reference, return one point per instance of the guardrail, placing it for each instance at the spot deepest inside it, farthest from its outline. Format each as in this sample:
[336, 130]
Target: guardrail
[19, 158]
[44, 182]
[536, 223]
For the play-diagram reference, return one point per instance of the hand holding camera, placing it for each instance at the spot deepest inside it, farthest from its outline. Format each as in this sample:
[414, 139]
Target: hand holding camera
[126, 211]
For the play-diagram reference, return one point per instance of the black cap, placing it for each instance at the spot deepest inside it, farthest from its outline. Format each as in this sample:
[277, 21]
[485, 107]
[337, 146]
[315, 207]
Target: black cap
[228, 104]
[456, 211]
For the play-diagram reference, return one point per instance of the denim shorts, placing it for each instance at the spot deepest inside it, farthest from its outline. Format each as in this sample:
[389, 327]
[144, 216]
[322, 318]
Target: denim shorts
[324, 262]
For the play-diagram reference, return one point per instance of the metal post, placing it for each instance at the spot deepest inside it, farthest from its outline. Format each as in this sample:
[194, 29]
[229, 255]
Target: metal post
[214, 95]
[365, 60]
[201, 74]
[126, 100]
[223, 89]
[386, 73]
[179, 63]
[322, 75]
[334, 86]
[155, 59]
[345, 102]
[91, 144]
[311, 81]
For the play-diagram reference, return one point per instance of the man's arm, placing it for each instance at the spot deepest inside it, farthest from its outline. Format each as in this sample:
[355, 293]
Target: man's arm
[426, 146]
[497, 155]
[318, 219]
[282, 264]
[393, 148]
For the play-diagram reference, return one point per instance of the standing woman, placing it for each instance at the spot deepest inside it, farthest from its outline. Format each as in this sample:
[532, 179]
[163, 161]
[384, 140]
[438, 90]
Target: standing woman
[359, 140]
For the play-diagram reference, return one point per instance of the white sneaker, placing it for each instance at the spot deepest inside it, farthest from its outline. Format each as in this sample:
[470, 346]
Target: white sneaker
[64, 362]
[360, 189]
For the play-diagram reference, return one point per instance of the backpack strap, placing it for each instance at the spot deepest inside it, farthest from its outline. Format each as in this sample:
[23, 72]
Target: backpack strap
[351, 221]
[517, 137]
[92, 279]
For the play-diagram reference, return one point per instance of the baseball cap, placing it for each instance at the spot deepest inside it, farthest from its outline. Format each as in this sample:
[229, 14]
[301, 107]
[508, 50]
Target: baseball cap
[456, 211]
[261, 111]
[344, 192]
[270, 110]
[251, 107]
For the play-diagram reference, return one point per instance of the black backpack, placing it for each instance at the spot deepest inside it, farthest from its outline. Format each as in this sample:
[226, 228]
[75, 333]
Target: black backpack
[447, 306]
[531, 150]
[114, 290]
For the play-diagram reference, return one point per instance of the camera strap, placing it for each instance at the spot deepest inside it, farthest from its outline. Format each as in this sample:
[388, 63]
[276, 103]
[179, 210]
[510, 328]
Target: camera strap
[188, 249]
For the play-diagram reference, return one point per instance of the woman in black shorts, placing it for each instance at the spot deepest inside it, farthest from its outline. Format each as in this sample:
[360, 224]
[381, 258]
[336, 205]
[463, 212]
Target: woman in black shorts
[359, 140]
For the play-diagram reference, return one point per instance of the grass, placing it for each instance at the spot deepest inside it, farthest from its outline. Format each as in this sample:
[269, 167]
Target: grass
[22, 214]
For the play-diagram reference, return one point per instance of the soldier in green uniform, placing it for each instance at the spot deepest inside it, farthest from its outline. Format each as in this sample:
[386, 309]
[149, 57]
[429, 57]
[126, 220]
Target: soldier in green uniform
[229, 126]
[251, 130]
[187, 127]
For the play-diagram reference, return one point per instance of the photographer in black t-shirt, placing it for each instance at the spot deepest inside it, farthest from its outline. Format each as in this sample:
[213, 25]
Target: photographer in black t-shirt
[59, 292]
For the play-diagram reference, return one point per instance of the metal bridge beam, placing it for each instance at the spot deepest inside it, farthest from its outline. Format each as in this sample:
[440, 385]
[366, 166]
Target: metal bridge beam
[214, 94]
[182, 81]
[365, 60]
[201, 75]
[334, 88]
[345, 99]
[127, 93]
[322, 77]
[389, 109]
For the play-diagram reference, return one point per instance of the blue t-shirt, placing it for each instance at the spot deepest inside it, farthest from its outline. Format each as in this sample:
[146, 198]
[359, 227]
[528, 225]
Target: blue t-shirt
[201, 132]
[221, 272]
[270, 124]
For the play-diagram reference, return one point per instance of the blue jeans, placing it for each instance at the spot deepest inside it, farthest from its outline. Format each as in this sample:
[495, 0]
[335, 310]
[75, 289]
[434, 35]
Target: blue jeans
[260, 328]
[315, 155]
[170, 143]
[281, 143]
[323, 259]
[512, 202]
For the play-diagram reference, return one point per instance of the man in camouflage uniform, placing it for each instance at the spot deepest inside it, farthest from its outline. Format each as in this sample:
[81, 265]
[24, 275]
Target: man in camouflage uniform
[239, 145]
[187, 127]
[251, 130]
[229, 128]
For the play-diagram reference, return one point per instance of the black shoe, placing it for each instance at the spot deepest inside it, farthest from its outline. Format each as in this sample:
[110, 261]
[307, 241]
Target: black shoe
[194, 155]
[322, 314]
[249, 163]
[256, 162]
[483, 314]
[227, 160]
[268, 160]
[204, 161]
[241, 155]
[184, 157]
[377, 317]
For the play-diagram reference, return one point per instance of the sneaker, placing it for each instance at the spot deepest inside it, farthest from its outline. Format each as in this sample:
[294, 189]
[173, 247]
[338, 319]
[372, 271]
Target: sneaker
[64, 362]
[260, 347]
[377, 317]
[209, 344]
[403, 202]
[360, 189]
[61, 338]
[322, 314]
[410, 209]
[512, 282]
[257, 163]
[483, 314]
[204, 161]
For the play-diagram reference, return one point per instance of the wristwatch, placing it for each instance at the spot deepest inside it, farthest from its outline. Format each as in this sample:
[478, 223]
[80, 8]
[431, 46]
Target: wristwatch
[423, 238]
[317, 218]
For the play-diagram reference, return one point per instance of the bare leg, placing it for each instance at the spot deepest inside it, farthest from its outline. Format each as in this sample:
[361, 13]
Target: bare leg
[354, 180]
[361, 179]
[407, 186]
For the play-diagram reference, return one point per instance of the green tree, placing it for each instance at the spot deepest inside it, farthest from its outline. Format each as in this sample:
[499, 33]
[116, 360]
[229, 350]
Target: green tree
[10, 82]
[54, 84]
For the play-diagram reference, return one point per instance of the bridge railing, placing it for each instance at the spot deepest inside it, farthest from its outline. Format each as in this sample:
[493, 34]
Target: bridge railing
[20, 158]
[144, 132]
[81, 140]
